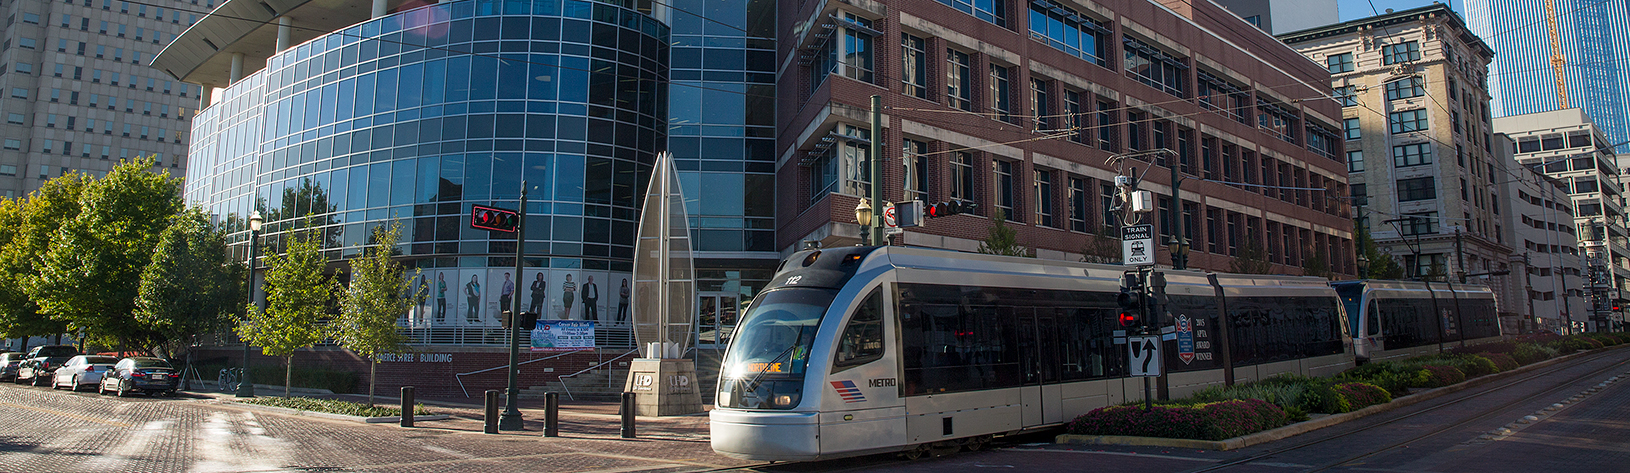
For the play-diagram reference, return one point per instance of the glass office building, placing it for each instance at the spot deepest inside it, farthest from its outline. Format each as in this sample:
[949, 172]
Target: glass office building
[413, 117]
[413, 114]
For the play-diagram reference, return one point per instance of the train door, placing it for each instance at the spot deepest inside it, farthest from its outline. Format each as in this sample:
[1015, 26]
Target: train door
[1038, 357]
[715, 318]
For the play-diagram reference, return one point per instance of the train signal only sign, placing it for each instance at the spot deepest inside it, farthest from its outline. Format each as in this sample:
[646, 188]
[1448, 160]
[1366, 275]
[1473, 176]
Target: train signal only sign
[1138, 245]
[495, 219]
[1145, 351]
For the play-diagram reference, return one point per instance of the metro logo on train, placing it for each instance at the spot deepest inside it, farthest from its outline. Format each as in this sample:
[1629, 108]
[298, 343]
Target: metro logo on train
[848, 391]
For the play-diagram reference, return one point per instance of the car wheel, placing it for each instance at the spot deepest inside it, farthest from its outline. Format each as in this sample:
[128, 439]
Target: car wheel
[102, 388]
[122, 391]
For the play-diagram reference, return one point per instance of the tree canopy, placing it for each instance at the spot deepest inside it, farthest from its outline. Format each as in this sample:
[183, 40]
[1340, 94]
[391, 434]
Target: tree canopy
[298, 293]
[190, 287]
[377, 296]
[1002, 240]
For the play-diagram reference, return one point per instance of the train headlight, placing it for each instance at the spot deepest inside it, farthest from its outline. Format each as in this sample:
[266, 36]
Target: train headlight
[783, 401]
[724, 398]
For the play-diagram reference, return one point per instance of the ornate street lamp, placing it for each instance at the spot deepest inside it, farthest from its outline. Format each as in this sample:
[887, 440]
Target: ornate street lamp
[246, 387]
[1363, 267]
[863, 216]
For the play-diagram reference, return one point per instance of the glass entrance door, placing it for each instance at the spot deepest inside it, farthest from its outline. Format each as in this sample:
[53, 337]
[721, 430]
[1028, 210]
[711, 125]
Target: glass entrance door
[715, 318]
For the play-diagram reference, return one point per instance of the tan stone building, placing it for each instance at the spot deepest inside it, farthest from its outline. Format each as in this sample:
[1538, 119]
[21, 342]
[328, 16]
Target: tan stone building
[1422, 169]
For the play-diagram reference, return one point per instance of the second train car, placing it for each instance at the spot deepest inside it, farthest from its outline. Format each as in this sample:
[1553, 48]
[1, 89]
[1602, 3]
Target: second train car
[1402, 319]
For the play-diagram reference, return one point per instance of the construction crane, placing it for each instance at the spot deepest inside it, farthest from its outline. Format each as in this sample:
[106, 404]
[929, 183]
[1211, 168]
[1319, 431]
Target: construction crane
[1557, 61]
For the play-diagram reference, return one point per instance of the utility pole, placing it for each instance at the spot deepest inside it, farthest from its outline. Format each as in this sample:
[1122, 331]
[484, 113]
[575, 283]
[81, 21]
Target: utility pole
[1180, 254]
[876, 163]
[511, 418]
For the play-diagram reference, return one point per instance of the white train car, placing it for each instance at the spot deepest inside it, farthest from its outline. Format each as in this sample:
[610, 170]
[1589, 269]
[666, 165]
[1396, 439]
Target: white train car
[1402, 319]
[860, 350]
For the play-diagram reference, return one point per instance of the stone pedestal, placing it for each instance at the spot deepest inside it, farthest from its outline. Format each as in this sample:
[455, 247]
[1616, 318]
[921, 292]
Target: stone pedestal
[664, 387]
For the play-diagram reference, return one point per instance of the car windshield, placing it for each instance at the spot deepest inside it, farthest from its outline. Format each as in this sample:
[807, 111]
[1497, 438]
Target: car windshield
[777, 332]
[152, 363]
[100, 360]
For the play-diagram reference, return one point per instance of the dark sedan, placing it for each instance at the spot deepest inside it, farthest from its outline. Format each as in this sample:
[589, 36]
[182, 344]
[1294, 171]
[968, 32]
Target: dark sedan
[141, 374]
[8, 365]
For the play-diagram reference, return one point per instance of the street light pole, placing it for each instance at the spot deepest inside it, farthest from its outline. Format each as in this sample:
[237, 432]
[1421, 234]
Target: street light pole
[876, 162]
[246, 386]
[511, 418]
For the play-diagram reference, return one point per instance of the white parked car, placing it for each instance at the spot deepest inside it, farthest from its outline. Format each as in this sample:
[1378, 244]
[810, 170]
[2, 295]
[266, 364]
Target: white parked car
[82, 370]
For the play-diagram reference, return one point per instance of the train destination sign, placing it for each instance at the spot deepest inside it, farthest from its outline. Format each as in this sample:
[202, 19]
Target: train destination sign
[1138, 244]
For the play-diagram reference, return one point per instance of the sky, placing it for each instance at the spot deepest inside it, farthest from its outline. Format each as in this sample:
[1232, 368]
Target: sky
[1355, 9]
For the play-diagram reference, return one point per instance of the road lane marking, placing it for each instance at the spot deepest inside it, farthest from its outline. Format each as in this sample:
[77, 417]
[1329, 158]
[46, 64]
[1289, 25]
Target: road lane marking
[1124, 454]
[66, 414]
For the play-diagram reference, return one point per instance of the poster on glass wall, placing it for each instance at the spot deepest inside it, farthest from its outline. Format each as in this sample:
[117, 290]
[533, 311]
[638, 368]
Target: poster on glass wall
[563, 335]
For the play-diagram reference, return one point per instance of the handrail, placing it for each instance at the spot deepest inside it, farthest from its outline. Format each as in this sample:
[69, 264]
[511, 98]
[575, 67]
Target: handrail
[568, 389]
[456, 377]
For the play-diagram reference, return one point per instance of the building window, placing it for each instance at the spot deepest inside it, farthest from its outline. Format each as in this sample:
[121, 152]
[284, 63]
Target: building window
[1069, 31]
[1428, 264]
[1002, 174]
[1350, 127]
[1221, 95]
[1411, 155]
[1041, 104]
[1134, 131]
[958, 80]
[1044, 198]
[1074, 121]
[857, 49]
[1407, 87]
[19, 93]
[916, 170]
[8, 170]
[1355, 161]
[1106, 125]
[15, 118]
[1420, 188]
[14, 145]
[1407, 121]
[1155, 68]
[1322, 141]
[1408, 51]
[1339, 63]
[962, 176]
[994, 11]
[1348, 96]
[1276, 120]
[914, 71]
[1078, 204]
[34, 18]
[1000, 103]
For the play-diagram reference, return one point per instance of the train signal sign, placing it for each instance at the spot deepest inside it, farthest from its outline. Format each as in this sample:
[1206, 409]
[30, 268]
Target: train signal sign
[495, 219]
[1138, 245]
[1145, 355]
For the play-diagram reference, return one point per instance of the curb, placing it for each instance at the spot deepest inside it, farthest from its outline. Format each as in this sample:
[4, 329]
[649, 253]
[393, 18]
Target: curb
[1314, 424]
[210, 386]
[332, 416]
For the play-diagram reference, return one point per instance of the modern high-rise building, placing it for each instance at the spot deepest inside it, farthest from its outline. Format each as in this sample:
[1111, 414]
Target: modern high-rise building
[1539, 218]
[1566, 145]
[76, 92]
[1284, 16]
[1419, 145]
[350, 115]
[1019, 108]
[1591, 42]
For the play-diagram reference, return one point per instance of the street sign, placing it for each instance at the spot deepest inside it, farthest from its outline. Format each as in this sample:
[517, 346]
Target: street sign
[1138, 244]
[891, 220]
[1145, 351]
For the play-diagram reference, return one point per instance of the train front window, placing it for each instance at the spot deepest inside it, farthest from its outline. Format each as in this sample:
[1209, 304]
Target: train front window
[765, 364]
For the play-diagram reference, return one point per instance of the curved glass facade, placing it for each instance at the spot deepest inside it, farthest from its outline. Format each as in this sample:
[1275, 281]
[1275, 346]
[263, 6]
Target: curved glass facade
[416, 116]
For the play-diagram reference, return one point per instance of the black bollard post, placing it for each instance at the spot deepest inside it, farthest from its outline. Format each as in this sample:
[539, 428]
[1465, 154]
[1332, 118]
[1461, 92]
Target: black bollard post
[492, 411]
[628, 415]
[551, 414]
[407, 406]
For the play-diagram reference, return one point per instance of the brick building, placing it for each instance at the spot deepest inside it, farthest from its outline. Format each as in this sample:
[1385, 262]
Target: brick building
[1019, 107]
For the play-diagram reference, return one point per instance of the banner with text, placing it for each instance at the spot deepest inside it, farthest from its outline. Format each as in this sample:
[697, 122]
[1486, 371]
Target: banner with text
[563, 335]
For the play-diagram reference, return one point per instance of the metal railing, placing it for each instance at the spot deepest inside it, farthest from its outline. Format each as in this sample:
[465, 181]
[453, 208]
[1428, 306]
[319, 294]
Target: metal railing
[459, 377]
[604, 337]
[568, 389]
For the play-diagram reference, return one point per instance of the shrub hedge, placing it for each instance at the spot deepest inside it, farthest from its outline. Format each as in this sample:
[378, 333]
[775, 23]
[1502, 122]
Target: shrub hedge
[1443, 375]
[1362, 395]
[1502, 361]
[1208, 421]
[333, 406]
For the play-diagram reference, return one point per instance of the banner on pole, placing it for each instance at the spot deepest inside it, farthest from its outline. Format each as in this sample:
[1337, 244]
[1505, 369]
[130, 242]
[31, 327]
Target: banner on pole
[563, 335]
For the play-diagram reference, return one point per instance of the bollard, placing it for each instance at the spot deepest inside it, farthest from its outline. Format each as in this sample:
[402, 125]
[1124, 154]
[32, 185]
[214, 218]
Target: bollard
[407, 406]
[492, 411]
[551, 414]
[628, 415]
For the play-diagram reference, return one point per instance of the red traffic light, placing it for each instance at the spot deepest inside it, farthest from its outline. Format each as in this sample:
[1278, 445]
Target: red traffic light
[1128, 319]
[946, 209]
[494, 219]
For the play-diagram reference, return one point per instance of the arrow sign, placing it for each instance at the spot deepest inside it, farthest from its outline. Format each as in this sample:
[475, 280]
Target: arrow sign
[1145, 355]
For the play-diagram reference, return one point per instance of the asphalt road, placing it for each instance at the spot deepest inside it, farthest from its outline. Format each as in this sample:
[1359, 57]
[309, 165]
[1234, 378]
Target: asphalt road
[46, 430]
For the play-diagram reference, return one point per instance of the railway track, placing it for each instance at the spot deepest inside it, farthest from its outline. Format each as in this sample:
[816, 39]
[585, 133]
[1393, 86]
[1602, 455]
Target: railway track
[1433, 408]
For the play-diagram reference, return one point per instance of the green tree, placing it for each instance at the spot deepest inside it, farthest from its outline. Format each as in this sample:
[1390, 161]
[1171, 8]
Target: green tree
[1103, 247]
[1315, 264]
[298, 292]
[191, 286]
[1251, 259]
[90, 275]
[34, 222]
[1003, 240]
[1382, 264]
[373, 302]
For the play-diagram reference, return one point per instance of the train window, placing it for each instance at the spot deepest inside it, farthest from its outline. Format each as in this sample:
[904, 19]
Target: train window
[1086, 343]
[1264, 330]
[1374, 321]
[954, 338]
[862, 339]
[777, 332]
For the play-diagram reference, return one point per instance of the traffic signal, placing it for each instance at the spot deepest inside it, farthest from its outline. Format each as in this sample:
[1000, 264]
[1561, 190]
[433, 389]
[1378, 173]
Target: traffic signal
[495, 219]
[949, 208]
[1130, 300]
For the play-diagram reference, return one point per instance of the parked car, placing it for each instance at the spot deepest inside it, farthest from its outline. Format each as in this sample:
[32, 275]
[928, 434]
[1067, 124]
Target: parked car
[82, 370]
[8, 365]
[141, 374]
[37, 366]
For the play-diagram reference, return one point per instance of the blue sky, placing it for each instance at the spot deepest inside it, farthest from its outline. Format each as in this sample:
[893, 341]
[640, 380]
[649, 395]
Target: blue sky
[1355, 9]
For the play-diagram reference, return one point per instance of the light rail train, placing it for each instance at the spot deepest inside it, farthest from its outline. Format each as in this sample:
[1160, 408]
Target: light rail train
[1394, 319]
[860, 350]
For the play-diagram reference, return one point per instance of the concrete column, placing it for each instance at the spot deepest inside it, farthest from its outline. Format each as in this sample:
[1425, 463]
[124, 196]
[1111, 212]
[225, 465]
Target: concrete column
[237, 68]
[283, 27]
[379, 8]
